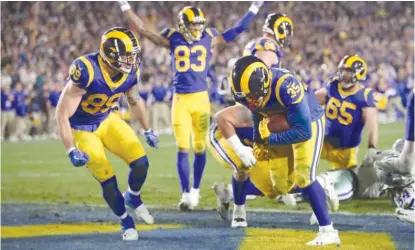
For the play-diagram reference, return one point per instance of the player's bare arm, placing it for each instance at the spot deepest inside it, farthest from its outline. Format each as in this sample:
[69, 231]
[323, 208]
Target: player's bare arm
[370, 118]
[230, 34]
[233, 117]
[142, 27]
[268, 57]
[321, 95]
[137, 106]
[67, 105]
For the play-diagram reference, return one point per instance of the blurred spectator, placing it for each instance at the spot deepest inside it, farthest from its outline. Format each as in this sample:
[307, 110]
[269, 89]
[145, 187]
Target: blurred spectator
[53, 99]
[380, 32]
[159, 101]
[7, 111]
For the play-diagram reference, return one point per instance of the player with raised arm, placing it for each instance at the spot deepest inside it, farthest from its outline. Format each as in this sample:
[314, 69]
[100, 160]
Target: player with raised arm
[278, 31]
[87, 126]
[349, 107]
[191, 47]
[292, 156]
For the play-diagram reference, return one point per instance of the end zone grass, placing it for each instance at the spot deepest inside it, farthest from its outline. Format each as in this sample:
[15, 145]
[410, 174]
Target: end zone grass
[40, 172]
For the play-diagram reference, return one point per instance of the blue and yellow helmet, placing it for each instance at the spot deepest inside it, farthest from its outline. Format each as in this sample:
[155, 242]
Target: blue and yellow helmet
[356, 65]
[191, 23]
[120, 49]
[250, 81]
[281, 27]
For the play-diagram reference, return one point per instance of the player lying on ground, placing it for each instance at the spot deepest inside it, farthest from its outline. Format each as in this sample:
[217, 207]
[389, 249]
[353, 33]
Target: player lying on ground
[229, 125]
[191, 48]
[404, 164]
[87, 126]
[291, 156]
[349, 107]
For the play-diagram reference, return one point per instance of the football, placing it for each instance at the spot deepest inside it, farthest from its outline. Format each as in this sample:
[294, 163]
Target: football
[278, 123]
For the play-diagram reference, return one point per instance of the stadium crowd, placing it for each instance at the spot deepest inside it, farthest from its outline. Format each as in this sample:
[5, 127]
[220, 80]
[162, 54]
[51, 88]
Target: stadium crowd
[40, 40]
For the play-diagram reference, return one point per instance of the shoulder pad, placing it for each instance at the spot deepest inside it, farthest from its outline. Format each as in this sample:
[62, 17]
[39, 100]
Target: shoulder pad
[212, 32]
[81, 72]
[289, 90]
[266, 44]
[167, 32]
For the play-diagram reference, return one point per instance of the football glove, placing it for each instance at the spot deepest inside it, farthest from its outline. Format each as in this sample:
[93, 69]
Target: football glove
[246, 155]
[256, 6]
[77, 157]
[369, 157]
[263, 129]
[151, 138]
[124, 5]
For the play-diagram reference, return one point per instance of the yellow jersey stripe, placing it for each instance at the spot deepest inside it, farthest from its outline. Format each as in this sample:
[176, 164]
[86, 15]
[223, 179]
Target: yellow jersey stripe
[367, 91]
[89, 68]
[171, 31]
[277, 88]
[209, 32]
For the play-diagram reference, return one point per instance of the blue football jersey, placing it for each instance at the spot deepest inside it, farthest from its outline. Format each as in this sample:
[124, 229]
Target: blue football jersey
[88, 73]
[263, 44]
[190, 61]
[409, 125]
[245, 135]
[344, 123]
[286, 90]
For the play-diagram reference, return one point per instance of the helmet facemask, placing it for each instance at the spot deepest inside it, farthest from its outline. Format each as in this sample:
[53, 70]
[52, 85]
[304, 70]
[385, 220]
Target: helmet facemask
[124, 62]
[192, 30]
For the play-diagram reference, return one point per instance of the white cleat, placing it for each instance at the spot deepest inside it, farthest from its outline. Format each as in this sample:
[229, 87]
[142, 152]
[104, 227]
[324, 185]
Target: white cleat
[130, 234]
[328, 186]
[239, 217]
[223, 198]
[194, 197]
[326, 237]
[185, 205]
[143, 213]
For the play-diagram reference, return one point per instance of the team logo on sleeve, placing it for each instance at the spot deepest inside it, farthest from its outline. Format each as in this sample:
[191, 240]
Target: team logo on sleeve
[295, 91]
[75, 72]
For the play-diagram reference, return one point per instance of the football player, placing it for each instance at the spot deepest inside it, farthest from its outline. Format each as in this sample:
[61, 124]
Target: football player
[230, 128]
[87, 126]
[349, 107]
[291, 156]
[278, 30]
[191, 47]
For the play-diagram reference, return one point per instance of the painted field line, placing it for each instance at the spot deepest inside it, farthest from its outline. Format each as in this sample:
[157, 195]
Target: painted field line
[209, 209]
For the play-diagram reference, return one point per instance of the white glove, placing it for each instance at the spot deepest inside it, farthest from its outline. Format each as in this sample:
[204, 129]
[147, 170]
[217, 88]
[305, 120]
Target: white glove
[124, 5]
[405, 215]
[369, 157]
[255, 6]
[246, 156]
[243, 152]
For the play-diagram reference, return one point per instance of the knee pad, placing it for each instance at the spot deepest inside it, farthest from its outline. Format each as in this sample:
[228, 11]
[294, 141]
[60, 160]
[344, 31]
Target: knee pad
[199, 146]
[140, 164]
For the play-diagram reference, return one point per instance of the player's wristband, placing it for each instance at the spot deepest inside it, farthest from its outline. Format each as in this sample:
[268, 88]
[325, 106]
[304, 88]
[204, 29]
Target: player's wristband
[235, 143]
[148, 131]
[124, 5]
[371, 146]
[254, 9]
[70, 150]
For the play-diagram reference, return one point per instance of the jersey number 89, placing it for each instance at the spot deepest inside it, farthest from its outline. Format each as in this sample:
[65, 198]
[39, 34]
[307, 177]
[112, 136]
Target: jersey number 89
[338, 110]
[182, 56]
[99, 103]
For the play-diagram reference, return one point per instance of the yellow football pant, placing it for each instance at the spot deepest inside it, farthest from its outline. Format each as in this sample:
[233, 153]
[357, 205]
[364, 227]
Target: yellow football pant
[339, 157]
[113, 134]
[190, 117]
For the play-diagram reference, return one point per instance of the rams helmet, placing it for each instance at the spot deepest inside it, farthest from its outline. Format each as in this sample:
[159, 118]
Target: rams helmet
[120, 49]
[191, 23]
[355, 65]
[281, 27]
[250, 81]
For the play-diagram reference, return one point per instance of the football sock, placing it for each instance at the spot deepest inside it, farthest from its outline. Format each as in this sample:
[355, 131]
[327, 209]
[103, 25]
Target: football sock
[251, 189]
[126, 221]
[199, 164]
[113, 196]
[239, 192]
[317, 199]
[138, 173]
[183, 169]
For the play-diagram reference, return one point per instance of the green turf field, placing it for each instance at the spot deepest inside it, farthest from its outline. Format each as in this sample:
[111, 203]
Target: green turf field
[40, 172]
